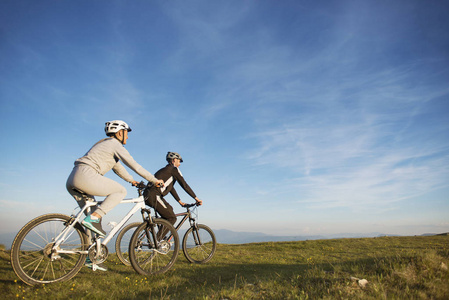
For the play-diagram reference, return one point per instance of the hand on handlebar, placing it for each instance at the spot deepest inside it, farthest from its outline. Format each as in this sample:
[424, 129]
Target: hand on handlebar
[199, 202]
[139, 185]
[159, 183]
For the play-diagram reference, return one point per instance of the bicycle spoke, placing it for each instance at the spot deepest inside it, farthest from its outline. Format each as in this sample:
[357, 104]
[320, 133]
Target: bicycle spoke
[199, 244]
[35, 258]
[148, 256]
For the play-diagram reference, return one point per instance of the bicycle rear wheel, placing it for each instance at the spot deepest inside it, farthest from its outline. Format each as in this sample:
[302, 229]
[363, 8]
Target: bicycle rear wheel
[149, 251]
[199, 244]
[122, 242]
[33, 257]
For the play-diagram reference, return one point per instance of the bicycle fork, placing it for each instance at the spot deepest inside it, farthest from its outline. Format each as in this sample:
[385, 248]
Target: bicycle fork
[149, 230]
[196, 235]
[150, 233]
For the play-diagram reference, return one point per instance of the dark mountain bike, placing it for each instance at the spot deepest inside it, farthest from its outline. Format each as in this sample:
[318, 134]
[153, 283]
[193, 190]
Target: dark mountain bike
[199, 243]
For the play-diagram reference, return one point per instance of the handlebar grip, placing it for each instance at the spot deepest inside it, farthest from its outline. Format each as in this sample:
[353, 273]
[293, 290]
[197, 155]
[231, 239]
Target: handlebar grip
[141, 185]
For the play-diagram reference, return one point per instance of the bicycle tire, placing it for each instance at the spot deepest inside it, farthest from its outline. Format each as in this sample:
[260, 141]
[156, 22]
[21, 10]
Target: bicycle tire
[122, 242]
[31, 250]
[145, 258]
[199, 251]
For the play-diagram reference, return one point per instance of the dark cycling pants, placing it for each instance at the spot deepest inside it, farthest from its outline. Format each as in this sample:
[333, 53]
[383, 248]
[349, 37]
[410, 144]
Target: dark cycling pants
[154, 199]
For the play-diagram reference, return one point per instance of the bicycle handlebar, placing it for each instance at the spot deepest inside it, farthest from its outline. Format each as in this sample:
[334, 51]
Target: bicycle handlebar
[141, 185]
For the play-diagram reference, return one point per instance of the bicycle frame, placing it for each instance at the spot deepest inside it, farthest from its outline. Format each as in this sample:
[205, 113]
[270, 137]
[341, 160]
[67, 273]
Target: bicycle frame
[139, 205]
[183, 220]
[187, 215]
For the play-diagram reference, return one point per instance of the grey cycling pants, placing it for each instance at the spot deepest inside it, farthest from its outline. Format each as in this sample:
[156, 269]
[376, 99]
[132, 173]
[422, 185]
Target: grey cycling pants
[85, 179]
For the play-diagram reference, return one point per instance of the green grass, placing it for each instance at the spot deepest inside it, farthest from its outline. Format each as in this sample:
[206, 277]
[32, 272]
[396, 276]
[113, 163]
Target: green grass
[395, 267]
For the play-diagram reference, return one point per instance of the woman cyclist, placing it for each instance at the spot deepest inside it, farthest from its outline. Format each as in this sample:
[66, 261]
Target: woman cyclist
[87, 180]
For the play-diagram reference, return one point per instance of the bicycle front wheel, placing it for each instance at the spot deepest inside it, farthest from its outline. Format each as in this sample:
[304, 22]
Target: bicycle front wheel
[122, 242]
[36, 260]
[154, 247]
[199, 244]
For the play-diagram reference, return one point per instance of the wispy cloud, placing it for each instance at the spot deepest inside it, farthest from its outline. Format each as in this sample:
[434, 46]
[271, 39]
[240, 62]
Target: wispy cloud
[379, 151]
[350, 131]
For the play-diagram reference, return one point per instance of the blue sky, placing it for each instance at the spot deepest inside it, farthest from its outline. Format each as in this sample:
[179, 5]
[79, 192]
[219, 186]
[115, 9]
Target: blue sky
[293, 117]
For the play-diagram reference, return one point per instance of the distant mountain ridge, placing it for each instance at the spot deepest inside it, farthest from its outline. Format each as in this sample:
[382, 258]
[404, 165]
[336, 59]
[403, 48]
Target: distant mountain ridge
[225, 236]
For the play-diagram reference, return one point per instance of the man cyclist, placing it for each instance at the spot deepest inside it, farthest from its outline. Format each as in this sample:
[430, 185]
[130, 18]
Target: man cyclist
[87, 180]
[170, 174]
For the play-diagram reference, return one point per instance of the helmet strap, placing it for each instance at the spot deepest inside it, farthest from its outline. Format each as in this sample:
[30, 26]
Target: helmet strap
[123, 136]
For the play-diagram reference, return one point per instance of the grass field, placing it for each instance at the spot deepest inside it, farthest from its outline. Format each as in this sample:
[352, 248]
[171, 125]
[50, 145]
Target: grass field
[393, 267]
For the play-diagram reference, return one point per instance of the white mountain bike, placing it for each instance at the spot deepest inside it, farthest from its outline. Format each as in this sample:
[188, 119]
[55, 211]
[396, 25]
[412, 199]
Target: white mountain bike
[54, 247]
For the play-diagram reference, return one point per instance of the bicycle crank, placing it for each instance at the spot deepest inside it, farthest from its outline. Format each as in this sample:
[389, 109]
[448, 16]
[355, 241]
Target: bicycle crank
[98, 258]
[164, 247]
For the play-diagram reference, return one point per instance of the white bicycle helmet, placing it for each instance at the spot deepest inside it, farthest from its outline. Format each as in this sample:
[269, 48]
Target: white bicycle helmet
[115, 126]
[171, 155]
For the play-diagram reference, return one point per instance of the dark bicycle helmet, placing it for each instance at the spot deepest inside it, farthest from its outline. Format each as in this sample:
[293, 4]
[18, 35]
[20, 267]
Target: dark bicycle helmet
[171, 155]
